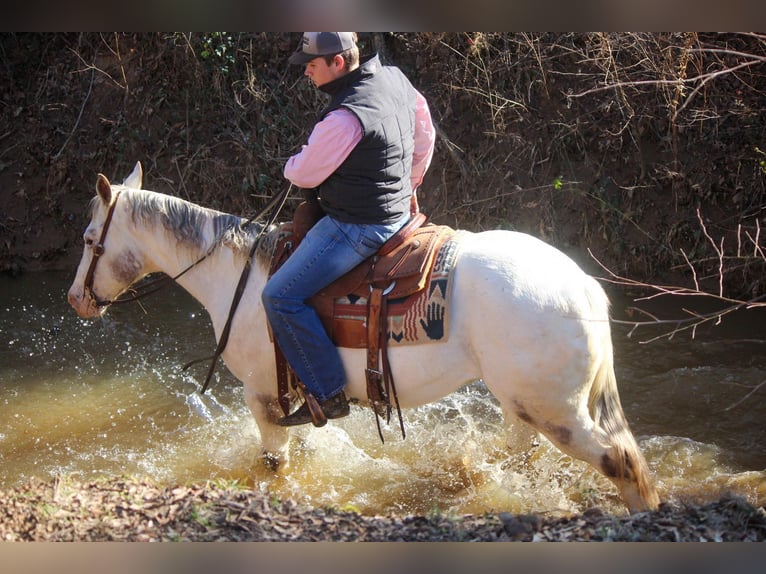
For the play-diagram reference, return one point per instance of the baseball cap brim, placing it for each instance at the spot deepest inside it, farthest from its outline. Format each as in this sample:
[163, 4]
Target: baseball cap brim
[299, 57]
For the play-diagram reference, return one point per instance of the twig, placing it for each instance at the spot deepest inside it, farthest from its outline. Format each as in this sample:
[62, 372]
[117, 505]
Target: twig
[691, 321]
[718, 250]
[747, 396]
[82, 108]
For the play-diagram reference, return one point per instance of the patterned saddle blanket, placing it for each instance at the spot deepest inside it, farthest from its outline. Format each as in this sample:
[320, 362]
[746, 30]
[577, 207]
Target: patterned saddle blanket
[419, 316]
[414, 269]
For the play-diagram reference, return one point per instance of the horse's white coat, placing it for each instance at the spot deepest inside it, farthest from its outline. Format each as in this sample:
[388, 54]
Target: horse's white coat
[524, 318]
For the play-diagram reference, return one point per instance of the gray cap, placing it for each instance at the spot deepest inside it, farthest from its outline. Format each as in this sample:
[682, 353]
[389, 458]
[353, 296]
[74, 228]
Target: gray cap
[315, 44]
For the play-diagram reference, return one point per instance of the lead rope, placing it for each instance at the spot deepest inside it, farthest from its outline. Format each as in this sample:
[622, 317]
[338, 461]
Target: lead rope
[279, 201]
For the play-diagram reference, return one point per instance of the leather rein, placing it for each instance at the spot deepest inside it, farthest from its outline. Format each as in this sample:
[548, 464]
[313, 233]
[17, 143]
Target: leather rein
[277, 201]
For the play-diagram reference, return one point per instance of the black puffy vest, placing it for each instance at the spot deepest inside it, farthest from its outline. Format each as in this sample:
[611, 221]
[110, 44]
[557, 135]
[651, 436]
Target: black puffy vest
[373, 184]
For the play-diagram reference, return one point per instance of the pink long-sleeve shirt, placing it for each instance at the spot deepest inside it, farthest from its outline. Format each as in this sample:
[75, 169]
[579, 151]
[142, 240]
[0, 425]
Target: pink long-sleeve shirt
[333, 138]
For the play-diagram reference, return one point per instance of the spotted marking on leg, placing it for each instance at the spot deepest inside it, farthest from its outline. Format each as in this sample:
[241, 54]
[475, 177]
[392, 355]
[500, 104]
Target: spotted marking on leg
[522, 413]
[610, 468]
[561, 434]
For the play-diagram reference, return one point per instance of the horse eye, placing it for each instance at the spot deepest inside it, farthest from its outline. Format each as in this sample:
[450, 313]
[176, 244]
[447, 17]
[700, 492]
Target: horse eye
[88, 242]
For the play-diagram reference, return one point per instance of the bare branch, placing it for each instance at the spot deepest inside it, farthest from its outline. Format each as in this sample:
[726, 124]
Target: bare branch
[690, 320]
[747, 396]
[79, 115]
[718, 250]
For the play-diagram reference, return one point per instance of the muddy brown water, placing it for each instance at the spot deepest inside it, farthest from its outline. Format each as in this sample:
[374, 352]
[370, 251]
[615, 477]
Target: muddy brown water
[109, 398]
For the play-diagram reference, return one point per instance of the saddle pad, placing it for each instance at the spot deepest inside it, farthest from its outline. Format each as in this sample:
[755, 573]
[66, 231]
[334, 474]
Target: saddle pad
[419, 318]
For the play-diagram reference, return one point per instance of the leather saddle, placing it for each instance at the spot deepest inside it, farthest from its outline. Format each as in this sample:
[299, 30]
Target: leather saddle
[401, 267]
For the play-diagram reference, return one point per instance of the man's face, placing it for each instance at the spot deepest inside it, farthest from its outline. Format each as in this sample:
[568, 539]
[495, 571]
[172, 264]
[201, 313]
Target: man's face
[320, 72]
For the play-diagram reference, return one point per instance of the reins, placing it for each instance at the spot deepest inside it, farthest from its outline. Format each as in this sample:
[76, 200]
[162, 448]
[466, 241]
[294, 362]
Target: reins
[157, 284]
[277, 201]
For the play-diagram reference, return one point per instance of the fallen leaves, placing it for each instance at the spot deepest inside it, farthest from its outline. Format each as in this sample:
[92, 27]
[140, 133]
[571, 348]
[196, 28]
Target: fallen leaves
[131, 509]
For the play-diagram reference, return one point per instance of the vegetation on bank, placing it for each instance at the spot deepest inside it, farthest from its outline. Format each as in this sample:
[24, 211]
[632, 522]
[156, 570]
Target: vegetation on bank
[644, 148]
[130, 509]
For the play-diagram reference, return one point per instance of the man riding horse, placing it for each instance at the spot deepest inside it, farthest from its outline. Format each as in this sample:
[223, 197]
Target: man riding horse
[364, 159]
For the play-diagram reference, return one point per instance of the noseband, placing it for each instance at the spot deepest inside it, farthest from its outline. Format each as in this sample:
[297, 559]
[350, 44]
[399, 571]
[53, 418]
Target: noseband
[98, 251]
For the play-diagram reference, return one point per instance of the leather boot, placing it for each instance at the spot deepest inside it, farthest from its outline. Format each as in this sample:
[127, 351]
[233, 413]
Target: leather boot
[334, 408]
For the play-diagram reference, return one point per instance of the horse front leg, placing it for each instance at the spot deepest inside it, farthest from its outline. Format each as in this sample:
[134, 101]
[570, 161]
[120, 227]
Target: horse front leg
[275, 439]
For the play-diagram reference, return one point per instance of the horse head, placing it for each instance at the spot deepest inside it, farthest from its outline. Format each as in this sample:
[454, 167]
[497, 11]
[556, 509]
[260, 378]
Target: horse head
[110, 262]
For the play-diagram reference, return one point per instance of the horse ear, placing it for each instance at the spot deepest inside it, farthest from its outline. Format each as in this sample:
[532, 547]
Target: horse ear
[104, 188]
[135, 179]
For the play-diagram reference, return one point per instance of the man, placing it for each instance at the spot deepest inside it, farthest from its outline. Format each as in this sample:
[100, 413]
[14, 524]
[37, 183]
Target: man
[364, 159]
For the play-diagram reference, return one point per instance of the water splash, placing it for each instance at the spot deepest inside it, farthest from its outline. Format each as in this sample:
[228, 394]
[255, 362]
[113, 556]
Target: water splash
[109, 398]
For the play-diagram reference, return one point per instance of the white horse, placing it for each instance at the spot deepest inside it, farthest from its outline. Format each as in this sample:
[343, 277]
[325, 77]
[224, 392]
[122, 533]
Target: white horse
[525, 319]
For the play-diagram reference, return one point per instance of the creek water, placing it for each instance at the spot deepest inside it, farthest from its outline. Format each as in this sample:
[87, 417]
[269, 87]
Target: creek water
[91, 399]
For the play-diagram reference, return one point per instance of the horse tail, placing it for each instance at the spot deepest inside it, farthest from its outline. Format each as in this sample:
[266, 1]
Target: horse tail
[606, 411]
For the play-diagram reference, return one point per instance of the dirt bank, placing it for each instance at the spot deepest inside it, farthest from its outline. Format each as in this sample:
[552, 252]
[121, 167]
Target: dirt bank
[608, 142]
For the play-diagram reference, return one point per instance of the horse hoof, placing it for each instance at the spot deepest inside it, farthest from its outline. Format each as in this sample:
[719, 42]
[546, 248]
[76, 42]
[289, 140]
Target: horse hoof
[271, 461]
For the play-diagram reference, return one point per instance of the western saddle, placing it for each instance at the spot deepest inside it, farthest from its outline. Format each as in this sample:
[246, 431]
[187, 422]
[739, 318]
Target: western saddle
[401, 267]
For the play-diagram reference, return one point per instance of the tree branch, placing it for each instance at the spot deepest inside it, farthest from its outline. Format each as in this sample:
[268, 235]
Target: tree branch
[692, 319]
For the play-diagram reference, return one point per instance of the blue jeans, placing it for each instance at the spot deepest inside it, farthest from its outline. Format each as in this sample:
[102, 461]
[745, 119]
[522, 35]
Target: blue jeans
[330, 249]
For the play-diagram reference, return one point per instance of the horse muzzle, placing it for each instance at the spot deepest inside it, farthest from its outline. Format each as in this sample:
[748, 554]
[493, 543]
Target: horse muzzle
[85, 304]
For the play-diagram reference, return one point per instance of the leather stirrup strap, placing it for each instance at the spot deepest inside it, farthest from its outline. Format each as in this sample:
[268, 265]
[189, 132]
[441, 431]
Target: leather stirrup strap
[388, 376]
[284, 372]
[372, 373]
[380, 404]
[377, 345]
[283, 385]
[318, 418]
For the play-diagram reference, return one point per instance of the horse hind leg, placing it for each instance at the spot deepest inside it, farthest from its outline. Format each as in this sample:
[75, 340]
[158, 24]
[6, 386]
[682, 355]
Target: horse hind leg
[613, 454]
[519, 435]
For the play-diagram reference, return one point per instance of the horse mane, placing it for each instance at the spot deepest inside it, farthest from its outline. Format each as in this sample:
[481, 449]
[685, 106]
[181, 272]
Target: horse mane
[193, 226]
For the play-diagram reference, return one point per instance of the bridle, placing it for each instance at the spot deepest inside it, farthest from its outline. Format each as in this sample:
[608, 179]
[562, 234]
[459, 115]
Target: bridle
[148, 288]
[98, 251]
[155, 285]
[278, 202]
[151, 287]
